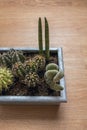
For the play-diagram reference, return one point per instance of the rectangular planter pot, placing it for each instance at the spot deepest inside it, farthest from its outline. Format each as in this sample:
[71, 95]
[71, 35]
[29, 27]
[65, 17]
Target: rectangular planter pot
[38, 100]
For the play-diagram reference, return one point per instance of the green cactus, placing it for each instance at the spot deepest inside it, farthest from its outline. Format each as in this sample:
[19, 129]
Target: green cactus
[52, 66]
[5, 60]
[56, 87]
[17, 56]
[18, 70]
[40, 40]
[12, 56]
[58, 76]
[31, 79]
[6, 78]
[49, 75]
[30, 65]
[40, 61]
[52, 77]
[47, 39]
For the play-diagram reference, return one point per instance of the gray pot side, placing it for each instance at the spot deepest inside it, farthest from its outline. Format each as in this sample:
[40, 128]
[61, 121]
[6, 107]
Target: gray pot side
[38, 100]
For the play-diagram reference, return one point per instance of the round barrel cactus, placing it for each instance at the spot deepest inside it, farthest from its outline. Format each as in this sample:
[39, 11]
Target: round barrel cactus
[6, 78]
[31, 79]
[40, 61]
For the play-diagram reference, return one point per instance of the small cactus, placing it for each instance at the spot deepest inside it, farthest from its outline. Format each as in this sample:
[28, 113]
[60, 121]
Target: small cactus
[17, 56]
[6, 78]
[49, 75]
[30, 65]
[5, 60]
[12, 56]
[18, 70]
[40, 61]
[52, 66]
[52, 76]
[31, 79]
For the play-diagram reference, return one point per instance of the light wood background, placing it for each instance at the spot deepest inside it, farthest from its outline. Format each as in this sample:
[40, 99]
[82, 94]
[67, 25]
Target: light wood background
[68, 29]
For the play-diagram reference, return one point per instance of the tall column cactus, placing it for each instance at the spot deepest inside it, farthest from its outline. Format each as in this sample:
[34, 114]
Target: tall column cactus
[47, 39]
[40, 40]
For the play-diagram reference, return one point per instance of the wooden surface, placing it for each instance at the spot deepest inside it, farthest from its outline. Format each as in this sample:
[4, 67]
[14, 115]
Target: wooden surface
[68, 29]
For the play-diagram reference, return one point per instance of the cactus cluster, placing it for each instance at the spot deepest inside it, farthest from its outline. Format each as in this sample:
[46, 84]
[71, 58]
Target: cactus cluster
[52, 76]
[11, 57]
[6, 78]
[27, 71]
[16, 66]
[36, 64]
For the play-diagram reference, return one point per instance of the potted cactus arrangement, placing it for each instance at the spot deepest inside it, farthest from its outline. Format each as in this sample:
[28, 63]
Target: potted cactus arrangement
[33, 76]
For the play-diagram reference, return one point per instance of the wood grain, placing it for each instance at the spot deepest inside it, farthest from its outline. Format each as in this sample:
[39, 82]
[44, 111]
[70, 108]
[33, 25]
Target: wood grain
[68, 29]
